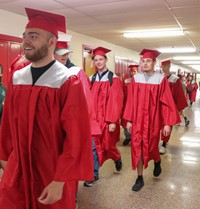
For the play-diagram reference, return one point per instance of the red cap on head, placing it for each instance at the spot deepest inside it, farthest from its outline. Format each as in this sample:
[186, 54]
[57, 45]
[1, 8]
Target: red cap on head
[166, 62]
[149, 53]
[45, 21]
[100, 51]
[61, 45]
[133, 66]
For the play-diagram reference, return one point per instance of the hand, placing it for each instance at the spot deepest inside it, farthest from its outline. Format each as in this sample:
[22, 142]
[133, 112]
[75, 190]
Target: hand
[3, 164]
[129, 127]
[51, 193]
[112, 127]
[166, 130]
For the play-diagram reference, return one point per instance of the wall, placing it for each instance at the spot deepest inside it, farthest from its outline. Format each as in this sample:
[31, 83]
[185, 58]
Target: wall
[15, 24]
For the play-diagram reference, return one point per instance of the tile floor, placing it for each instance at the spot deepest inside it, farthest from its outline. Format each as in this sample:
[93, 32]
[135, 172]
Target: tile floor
[178, 187]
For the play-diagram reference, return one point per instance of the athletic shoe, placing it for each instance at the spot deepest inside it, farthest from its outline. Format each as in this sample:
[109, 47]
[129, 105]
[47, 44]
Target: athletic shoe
[138, 185]
[162, 150]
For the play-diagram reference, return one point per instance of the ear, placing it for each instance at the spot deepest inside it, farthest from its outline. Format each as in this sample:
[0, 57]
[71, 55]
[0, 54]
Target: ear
[52, 42]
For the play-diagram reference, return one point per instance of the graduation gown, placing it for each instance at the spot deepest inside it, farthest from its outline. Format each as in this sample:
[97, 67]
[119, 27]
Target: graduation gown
[45, 136]
[108, 102]
[149, 105]
[178, 96]
[193, 86]
[74, 70]
[126, 82]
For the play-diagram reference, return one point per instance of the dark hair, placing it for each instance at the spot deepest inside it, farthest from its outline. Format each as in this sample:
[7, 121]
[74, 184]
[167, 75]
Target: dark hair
[180, 76]
[103, 56]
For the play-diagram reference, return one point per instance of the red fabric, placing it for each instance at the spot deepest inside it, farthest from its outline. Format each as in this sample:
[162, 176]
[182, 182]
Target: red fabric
[95, 129]
[179, 99]
[125, 90]
[178, 95]
[44, 136]
[192, 94]
[108, 102]
[46, 21]
[148, 107]
[19, 62]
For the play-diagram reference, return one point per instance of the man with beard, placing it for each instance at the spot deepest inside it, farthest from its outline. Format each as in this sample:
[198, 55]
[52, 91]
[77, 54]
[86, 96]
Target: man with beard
[45, 133]
[149, 106]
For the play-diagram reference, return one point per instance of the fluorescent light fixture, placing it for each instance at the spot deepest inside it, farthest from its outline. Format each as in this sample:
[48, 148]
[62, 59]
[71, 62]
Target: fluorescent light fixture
[186, 58]
[176, 50]
[191, 62]
[154, 33]
[196, 67]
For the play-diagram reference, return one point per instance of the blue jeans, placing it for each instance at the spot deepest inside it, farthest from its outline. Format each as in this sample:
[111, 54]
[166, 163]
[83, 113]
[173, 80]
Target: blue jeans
[96, 161]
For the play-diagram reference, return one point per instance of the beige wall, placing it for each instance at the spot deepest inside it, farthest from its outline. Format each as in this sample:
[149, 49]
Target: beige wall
[15, 24]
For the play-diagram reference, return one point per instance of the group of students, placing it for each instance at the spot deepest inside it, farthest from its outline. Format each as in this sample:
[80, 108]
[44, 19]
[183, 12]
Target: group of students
[58, 127]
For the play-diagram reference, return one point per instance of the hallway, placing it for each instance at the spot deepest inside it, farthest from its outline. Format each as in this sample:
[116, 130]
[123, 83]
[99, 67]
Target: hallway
[177, 187]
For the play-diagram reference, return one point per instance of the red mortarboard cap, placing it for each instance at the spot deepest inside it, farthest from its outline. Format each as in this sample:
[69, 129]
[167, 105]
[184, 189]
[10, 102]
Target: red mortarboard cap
[100, 51]
[149, 53]
[133, 66]
[165, 62]
[46, 21]
[62, 46]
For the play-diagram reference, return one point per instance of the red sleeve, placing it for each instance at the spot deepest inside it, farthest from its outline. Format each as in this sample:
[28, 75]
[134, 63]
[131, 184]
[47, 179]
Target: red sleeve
[169, 111]
[179, 96]
[76, 160]
[115, 102]
[5, 133]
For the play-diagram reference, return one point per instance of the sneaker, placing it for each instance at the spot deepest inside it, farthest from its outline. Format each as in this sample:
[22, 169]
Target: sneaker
[118, 164]
[138, 185]
[157, 169]
[90, 183]
[187, 122]
[162, 150]
[126, 142]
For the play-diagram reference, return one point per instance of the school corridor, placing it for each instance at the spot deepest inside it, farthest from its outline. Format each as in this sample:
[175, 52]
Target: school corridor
[177, 187]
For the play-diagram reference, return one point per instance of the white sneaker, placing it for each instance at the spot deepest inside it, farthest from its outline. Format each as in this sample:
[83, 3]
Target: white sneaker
[162, 150]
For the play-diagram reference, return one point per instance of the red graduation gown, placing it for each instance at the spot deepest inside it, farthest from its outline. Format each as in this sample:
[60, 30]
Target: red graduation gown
[45, 136]
[108, 102]
[149, 106]
[179, 97]
[194, 87]
[95, 129]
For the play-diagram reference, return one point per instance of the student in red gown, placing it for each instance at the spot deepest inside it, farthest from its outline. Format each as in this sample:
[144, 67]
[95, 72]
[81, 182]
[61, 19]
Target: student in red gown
[107, 94]
[178, 95]
[61, 54]
[133, 69]
[149, 106]
[45, 134]
[192, 88]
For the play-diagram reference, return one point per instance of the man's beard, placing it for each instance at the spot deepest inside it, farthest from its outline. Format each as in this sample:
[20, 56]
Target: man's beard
[38, 54]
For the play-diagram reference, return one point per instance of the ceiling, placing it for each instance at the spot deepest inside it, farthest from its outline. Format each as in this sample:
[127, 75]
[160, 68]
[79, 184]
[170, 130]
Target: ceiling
[108, 19]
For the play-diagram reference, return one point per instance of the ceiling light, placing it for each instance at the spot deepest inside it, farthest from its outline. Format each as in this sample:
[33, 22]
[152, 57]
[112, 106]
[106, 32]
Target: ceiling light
[186, 58]
[153, 33]
[197, 67]
[191, 62]
[176, 50]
